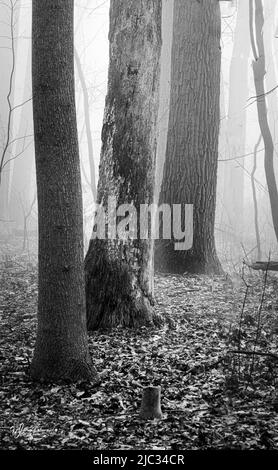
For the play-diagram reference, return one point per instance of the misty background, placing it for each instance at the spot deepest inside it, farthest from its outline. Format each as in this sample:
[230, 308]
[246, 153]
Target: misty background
[239, 133]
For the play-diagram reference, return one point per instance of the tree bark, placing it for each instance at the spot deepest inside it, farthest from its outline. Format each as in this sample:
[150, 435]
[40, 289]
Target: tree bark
[61, 351]
[119, 273]
[190, 170]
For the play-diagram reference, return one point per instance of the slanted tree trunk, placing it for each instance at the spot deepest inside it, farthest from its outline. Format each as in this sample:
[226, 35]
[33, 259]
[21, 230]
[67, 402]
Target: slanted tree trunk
[257, 43]
[190, 170]
[270, 9]
[119, 274]
[61, 350]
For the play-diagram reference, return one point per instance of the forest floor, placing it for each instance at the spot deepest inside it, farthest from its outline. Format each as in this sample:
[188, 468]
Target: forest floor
[212, 396]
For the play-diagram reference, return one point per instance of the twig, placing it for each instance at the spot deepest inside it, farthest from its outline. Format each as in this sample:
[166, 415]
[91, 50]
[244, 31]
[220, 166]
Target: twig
[259, 318]
[9, 91]
[241, 316]
[251, 353]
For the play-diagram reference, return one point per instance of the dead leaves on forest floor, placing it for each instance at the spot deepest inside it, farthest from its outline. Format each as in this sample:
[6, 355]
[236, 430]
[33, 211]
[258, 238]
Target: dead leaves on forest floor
[209, 398]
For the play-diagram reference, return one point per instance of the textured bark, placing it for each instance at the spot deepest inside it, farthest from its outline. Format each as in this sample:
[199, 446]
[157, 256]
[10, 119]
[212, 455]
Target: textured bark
[259, 71]
[119, 280]
[190, 170]
[61, 351]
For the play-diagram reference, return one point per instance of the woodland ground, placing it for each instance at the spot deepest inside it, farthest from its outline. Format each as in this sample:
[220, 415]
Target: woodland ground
[212, 398]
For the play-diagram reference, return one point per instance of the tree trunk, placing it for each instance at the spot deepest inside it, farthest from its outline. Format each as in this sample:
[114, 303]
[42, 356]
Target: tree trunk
[119, 274]
[22, 181]
[190, 170]
[8, 32]
[61, 350]
[86, 108]
[270, 8]
[236, 125]
[258, 65]
[254, 195]
[164, 91]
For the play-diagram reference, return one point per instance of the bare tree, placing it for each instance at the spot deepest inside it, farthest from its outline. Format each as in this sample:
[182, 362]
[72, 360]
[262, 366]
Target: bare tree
[258, 65]
[17, 132]
[119, 279]
[86, 107]
[236, 121]
[256, 213]
[61, 350]
[190, 170]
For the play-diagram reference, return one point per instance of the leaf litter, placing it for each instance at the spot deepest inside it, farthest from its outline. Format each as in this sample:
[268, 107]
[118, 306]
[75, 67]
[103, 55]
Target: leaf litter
[216, 368]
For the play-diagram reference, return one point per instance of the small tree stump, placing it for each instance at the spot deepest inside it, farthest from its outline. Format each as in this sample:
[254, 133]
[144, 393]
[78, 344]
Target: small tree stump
[150, 406]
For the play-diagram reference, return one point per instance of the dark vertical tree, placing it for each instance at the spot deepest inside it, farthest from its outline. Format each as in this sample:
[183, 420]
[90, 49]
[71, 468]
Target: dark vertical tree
[119, 279]
[190, 170]
[61, 350]
[259, 71]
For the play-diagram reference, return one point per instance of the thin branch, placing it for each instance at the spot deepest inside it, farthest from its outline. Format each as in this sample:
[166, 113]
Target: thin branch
[10, 91]
[251, 353]
[259, 317]
[263, 94]
[16, 156]
[21, 104]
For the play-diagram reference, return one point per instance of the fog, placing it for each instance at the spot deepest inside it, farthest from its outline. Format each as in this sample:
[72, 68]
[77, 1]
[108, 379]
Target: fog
[239, 133]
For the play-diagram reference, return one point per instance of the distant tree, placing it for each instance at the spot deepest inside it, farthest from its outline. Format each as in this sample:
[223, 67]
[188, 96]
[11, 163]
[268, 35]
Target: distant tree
[119, 273]
[87, 123]
[255, 202]
[61, 350]
[16, 130]
[270, 9]
[8, 32]
[190, 170]
[236, 123]
[256, 26]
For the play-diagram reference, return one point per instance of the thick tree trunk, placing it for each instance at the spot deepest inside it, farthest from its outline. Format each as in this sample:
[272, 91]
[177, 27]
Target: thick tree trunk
[190, 170]
[119, 274]
[259, 71]
[61, 350]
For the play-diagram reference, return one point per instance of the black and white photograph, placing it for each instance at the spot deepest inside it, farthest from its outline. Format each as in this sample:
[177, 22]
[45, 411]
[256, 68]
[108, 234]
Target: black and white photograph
[139, 230]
